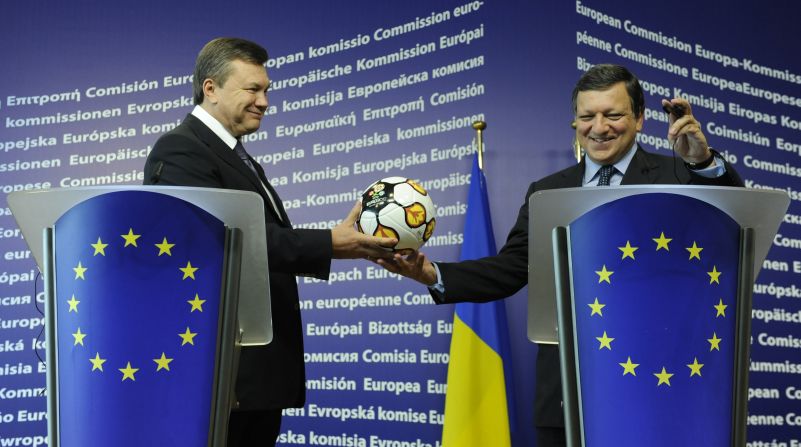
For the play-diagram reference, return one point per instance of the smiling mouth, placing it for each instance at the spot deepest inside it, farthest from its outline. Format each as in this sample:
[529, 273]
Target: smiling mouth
[601, 139]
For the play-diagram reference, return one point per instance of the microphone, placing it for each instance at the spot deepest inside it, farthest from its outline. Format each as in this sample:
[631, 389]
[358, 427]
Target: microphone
[154, 179]
[677, 110]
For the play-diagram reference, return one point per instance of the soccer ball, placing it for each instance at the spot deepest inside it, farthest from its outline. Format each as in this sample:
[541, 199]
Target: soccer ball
[400, 208]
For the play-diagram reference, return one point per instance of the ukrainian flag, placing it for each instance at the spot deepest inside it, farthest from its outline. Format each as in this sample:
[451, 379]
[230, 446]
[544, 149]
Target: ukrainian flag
[476, 406]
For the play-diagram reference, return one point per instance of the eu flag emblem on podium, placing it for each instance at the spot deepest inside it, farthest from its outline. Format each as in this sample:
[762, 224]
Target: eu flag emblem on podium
[138, 280]
[654, 298]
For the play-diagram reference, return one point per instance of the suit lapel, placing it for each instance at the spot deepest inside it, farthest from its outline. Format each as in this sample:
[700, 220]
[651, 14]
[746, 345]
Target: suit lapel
[219, 148]
[574, 177]
[642, 170]
[281, 210]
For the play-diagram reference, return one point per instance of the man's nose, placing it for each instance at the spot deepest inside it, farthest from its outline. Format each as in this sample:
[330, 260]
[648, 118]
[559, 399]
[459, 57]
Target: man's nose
[261, 100]
[600, 124]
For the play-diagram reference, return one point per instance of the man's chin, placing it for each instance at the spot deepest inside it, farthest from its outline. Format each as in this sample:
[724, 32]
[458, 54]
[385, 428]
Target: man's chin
[602, 156]
[252, 127]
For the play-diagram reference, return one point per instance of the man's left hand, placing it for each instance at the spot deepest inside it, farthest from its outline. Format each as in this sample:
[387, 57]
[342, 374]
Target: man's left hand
[685, 134]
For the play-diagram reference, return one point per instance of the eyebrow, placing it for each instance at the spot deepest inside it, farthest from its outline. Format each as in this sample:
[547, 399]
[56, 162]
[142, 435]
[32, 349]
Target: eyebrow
[257, 85]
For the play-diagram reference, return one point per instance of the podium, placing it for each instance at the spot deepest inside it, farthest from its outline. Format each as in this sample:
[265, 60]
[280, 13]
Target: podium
[647, 291]
[150, 293]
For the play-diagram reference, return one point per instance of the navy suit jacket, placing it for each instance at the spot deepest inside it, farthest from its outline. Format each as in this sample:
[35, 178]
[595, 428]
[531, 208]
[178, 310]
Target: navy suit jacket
[500, 276]
[269, 377]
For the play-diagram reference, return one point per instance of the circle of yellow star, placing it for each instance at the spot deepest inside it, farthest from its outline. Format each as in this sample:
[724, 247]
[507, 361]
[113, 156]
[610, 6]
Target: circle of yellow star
[128, 372]
[97, 362]
[695, 368]
[606, 342]
[628, 250]
[79, 271]
[721, 308]
[596, 308]
[164, 247]
[662, 242]
[714, 342]
[189, 271]
[628, 367]
[100, 247]
[714, 275]
[695, 251]
[79, 336]
[604, 275]
[73, 304]
[130, 238]
[188, 337]
[197, 303]
[163, 362]
[664, 377]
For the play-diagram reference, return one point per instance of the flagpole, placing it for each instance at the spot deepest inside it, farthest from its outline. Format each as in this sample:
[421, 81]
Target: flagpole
[479, 407]
[479, 126]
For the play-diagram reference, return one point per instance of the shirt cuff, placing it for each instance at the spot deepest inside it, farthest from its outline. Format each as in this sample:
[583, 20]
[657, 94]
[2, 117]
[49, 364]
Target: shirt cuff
[711, 172]
[439, 286]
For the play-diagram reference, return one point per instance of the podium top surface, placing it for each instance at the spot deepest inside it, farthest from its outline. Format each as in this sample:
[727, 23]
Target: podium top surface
[35, 211]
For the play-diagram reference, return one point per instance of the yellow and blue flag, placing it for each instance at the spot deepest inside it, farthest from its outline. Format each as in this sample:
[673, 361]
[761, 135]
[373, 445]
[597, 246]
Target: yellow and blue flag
[138, 280]
[477, 403]
[654, 306]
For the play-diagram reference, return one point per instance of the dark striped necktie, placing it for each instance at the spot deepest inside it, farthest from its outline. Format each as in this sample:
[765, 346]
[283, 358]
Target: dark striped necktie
[240, 151]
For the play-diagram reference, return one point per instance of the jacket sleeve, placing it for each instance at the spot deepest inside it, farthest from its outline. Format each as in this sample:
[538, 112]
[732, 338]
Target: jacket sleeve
[493, 277]
[729, 178]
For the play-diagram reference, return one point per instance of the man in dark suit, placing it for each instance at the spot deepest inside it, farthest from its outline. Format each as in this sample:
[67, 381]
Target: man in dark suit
[609, 106]
[230, 92]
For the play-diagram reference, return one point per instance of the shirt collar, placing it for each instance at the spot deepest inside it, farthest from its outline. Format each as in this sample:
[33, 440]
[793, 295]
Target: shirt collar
[215, 126]
[591, 168]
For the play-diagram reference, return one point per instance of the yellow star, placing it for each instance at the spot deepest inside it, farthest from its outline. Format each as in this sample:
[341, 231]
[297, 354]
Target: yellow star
[721, 308]
[128, 372]
[695, 251]
[662, 242]
[664, 377]
[628, 367]
[596, 308]
[187, 337]
[100, 247]
[695, 368]
[189, 271]
[628, 250]
[714, 275]
[164, 247]
[603, 275]
[79, 336]
[606, 342]
[130, 238]
[163, 362]
[79, 271]
[73, 304]
[714, 342]
[197, 303]
[97, 362]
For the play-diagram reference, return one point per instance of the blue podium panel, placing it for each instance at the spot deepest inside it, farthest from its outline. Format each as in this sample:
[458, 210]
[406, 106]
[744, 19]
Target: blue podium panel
[138, 281]
[654, 286]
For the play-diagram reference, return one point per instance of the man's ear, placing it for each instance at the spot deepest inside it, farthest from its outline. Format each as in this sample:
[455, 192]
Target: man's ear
[209, 90]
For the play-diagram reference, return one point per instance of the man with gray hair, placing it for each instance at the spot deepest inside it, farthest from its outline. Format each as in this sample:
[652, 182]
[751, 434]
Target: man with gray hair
[230, 92]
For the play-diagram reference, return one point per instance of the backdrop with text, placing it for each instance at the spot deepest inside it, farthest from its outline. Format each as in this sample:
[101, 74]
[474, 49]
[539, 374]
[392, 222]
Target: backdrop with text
[364, 90]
